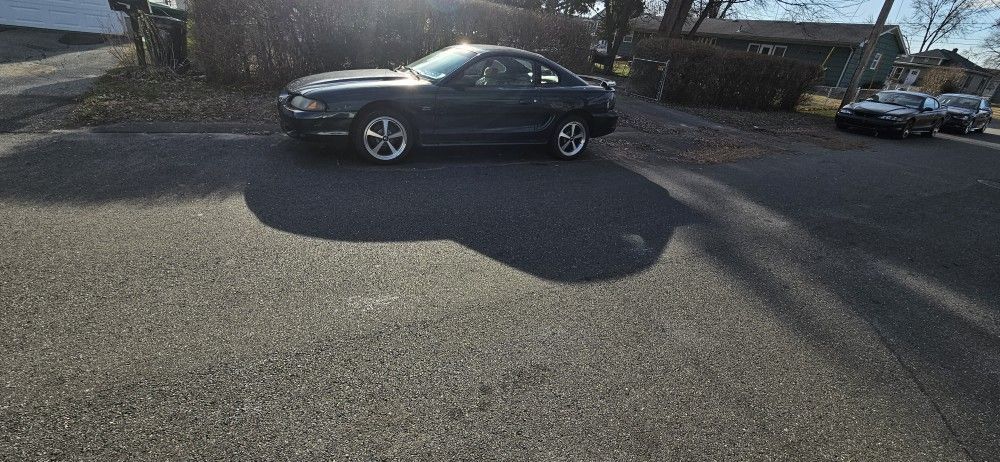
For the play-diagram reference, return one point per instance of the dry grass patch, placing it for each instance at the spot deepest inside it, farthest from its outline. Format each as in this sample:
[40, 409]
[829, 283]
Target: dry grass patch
[131, 94]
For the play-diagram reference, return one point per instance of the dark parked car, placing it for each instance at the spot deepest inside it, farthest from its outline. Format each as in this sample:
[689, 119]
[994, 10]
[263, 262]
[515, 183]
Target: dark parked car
[460, 95]
[898, 112]
[966, 113]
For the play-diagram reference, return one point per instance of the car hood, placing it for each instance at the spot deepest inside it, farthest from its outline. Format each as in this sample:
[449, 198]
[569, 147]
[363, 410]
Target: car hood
[875, 107]
[329, 80]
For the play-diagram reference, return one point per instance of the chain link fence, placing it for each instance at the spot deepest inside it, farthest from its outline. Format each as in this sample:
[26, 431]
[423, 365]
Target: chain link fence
[646, 78]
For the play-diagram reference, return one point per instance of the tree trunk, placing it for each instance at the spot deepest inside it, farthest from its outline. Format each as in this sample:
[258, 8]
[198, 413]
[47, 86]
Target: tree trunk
[673, 19]
[705, 13]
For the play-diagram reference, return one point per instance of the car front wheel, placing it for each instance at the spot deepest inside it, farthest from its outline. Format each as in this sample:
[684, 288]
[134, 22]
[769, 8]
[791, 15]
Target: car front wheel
[969, 127]
[383, 136]
[985, 124]
[904, 133]
[570, 138]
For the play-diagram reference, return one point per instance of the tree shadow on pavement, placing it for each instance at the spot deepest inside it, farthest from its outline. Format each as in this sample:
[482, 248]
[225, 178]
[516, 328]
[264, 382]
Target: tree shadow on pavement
[562, 221]
[896, 265]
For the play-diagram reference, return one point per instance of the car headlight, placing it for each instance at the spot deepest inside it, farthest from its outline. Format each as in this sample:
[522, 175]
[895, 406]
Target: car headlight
[846, 110]
[305, 104]
[890, 117]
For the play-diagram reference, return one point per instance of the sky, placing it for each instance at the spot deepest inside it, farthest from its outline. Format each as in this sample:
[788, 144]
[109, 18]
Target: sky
[967, 43]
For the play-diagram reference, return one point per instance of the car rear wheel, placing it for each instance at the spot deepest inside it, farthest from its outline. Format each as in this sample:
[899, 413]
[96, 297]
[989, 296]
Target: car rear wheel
[383, 136]
[570, 138]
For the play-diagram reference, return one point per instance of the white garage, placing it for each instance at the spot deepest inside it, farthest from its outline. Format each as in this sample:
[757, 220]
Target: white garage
[70, 15]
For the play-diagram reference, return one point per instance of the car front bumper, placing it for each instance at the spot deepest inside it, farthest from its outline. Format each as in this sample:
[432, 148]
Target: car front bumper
[870, 123]
[307, 124]
[956, 123]
[603, 124]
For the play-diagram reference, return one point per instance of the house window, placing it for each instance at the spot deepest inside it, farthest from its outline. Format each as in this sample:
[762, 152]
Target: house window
[875, 61]
[896, 72]
[767, 49]
[708, 40]
[627, 39]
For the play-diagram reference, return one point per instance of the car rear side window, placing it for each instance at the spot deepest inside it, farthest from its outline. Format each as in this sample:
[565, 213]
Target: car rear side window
[549, 77]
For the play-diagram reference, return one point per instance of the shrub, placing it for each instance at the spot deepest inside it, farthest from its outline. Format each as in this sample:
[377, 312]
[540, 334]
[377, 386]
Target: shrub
[268, 42]
[704, 75]
[939, 80]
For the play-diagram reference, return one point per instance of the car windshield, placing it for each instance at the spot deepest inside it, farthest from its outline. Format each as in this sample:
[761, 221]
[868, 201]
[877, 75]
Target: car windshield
[959, 101]
[899, 99]
[439, 64]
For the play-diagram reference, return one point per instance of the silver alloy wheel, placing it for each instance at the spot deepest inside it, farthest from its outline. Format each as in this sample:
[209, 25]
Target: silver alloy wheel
[385, 138]
[906, 130]
[572, 138]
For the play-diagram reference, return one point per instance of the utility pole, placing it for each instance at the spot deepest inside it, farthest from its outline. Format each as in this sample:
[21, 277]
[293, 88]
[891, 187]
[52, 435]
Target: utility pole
[866, 56]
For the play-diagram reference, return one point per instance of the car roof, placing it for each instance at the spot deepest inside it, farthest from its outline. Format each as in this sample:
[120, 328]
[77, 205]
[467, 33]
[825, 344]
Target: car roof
[964, 95]
[914, 93]
[483, 49]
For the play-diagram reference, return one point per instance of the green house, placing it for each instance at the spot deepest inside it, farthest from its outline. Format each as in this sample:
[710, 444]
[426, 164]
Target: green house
[837, 47]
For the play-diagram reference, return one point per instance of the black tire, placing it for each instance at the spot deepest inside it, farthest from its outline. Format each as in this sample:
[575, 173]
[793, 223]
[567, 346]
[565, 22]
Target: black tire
[841, 126]
[566, 142]
[987, 124]
[383, 148]
[905, 132]
[934, 128]
[969, 127]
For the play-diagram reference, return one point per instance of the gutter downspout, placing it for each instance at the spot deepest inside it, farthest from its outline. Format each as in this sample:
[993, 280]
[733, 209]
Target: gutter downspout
[844, 71]
[828, 55]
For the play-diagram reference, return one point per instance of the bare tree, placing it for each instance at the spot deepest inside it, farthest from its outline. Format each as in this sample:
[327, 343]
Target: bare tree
[991, 44]
[677, 11]
[616, 24]
[934, 20]
[715, 9]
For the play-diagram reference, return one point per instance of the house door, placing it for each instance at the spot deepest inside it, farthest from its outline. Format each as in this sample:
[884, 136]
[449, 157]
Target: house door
[911, 77]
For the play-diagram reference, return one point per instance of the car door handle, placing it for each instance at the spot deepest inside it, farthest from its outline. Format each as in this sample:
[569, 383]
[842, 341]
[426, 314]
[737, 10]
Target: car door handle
[529, 101]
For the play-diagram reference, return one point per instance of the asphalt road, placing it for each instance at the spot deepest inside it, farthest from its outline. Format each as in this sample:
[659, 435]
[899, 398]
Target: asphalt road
[41, 76]
[231, 297]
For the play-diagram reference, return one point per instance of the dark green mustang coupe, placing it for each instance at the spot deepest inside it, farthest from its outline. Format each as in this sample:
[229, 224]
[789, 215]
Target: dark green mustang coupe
[461, 95]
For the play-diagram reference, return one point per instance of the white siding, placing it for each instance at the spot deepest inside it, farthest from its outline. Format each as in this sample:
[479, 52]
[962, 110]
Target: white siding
[70, 15]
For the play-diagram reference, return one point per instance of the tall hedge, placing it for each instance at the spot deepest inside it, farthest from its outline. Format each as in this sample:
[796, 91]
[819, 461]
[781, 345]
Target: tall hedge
[268, 42]
[704, 75]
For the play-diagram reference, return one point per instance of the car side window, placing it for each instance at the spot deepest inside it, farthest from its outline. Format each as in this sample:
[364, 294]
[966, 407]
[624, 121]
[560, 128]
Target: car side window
[499, 71]
[549, 77]
[930, 103]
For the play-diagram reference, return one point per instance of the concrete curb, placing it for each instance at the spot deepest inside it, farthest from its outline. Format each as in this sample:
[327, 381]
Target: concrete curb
[247, 128]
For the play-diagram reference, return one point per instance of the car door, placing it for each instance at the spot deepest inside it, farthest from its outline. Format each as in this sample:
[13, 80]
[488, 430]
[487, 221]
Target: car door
[930, 113]
[491, 100]
[554, 98]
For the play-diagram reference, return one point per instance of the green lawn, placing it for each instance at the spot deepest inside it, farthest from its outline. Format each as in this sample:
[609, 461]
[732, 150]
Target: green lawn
[622, 68]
